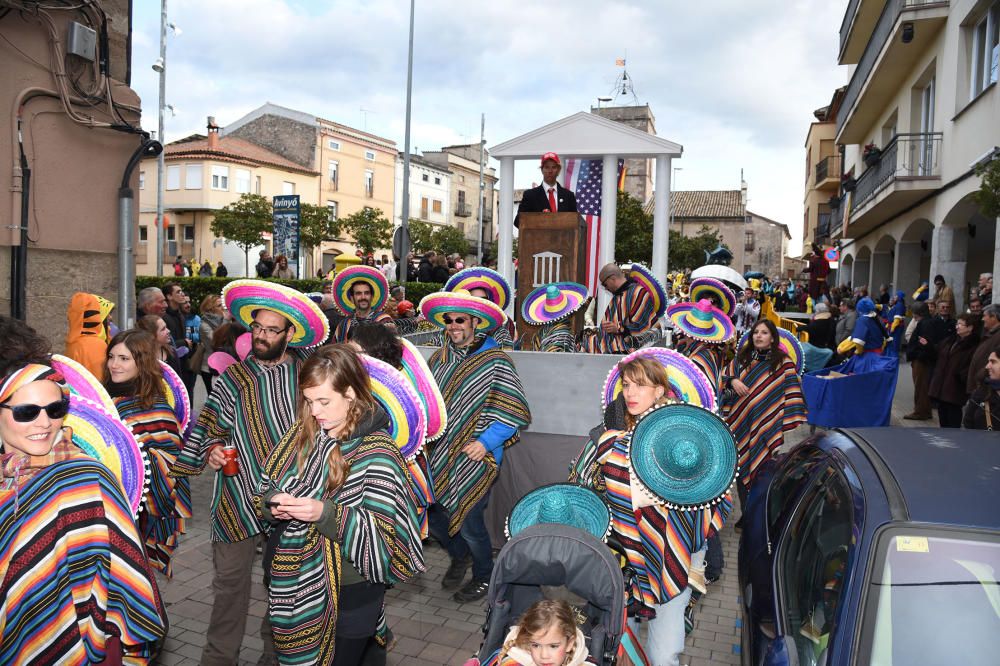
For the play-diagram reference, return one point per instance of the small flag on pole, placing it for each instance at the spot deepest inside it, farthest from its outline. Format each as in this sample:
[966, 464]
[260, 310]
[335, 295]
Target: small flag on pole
[620, 62]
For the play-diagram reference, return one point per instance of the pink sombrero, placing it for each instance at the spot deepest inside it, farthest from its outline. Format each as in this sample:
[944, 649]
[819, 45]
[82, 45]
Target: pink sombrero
[702, 321]
[434, 307]
[645, 277]
[82, 382]
[686, 379]
[397, 396]
[788, 344]
[705, 287]
[415, 369]
[481, 278]
[552, 302]
[244, 297]
[177, 396]
[346, 278]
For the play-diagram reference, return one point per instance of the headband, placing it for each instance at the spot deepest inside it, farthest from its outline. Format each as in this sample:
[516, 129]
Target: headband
[32, 372]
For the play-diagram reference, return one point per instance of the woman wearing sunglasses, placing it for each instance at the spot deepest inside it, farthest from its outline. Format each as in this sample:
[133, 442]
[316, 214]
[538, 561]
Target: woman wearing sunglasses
[135, 382]
[76, 586]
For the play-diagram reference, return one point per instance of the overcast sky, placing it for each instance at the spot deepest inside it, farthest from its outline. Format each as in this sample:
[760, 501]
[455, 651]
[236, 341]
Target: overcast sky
[735, 83]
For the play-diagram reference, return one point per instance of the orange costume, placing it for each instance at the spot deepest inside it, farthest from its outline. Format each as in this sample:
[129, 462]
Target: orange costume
[87, 338]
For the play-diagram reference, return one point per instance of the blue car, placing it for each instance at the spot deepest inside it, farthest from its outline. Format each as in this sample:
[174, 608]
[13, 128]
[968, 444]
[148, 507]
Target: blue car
[874, 546]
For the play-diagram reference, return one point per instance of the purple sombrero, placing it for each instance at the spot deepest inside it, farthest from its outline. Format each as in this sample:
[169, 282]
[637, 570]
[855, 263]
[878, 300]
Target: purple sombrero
[686, 379]
[645, 277]
[346, 278]
[702, 321]
[82, 382]
[399, 399]
[177, 396]
[481, 278]
[244, 297]
[415, 369]
[788, 344]
[552, 302]
[706, 287]
[103, 436]
[434, 307]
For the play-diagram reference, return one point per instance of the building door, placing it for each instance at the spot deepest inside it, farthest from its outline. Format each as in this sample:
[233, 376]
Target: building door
[926, 143]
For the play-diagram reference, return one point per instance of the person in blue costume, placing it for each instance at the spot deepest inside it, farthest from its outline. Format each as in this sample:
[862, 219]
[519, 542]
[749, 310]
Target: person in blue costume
[894, 319]
[869, 334]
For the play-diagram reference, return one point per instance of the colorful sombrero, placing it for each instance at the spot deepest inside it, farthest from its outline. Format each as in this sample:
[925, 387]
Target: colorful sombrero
[102, 435]
[561, 504]
[552, 302]
[481, 278]
[645, 277]
[415, 369]
[702, 321]
[686, 379]
[682, 456]
[706, 287]
[82, 382]
[244, 297]
[406, 413]
[346, 278]
[177, 396]
[788, 344]
[434, 307]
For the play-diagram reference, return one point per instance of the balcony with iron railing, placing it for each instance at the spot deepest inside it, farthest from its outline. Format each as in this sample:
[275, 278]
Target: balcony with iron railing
[823, 225]
[907, 167]
[827, 172]
[463, 209]
[905, 29]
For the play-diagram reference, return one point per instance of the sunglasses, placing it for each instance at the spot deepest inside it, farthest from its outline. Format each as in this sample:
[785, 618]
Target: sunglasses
[457, 320]
[28, 413]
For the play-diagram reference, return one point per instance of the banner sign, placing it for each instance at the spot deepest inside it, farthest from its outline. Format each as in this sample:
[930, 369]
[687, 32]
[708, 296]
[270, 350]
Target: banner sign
[286, 229]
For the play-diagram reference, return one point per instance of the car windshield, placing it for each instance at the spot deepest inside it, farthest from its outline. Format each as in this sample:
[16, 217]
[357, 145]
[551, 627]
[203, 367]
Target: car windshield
[934, 599]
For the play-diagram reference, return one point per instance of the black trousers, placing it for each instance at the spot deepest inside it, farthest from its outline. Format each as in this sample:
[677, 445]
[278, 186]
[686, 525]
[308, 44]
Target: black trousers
[949, 415]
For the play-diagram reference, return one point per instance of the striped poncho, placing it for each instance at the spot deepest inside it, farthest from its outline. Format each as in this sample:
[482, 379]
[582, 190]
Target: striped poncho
[631, 307]
[556, 337]
[759, 419]
[343, 331]
[72, 566]
[375, 531]
[480, 387]
[251, 406]
[710, 359]
[658, 541]
[167, 503]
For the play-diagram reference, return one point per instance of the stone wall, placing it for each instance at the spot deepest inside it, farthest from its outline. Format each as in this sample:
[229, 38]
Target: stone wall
[638, 172]
[289, 138]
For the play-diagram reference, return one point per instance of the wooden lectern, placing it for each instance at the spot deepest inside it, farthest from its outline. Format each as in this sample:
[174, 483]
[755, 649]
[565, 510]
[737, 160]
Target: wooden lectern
[552, 247]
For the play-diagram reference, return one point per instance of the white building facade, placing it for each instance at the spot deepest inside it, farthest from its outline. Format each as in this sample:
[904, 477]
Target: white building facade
[430, 192]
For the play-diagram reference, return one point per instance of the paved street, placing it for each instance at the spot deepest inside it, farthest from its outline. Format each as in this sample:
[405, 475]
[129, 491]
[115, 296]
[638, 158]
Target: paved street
[431, 629]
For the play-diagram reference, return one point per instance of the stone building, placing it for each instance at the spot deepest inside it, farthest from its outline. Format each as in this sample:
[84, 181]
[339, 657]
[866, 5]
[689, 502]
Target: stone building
[463, 163]
[638, 172]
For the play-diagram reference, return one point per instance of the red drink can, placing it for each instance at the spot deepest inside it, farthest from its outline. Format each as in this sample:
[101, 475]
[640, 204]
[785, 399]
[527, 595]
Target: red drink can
[232, 466]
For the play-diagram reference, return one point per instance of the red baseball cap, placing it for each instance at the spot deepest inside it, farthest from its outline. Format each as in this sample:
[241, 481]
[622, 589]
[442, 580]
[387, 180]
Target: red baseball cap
[551, 156]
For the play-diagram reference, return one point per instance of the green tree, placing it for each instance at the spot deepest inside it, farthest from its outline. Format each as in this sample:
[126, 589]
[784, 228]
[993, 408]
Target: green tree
[369, 227]
[689, 251]
[988, 196]
[315, 226]
[421, 236]
[634, 232]
[450, 240]
[244, 222]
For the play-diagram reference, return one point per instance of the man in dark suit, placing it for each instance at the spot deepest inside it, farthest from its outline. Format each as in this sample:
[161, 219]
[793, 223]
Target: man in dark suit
[550, 196]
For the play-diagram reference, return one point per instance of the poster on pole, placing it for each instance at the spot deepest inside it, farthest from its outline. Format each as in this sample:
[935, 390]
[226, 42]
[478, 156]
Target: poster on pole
[286, 230]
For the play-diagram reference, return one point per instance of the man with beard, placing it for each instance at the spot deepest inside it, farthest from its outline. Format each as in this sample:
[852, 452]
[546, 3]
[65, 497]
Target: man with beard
[360, 293]
[486, 408]
[630, 313]
[252, 405]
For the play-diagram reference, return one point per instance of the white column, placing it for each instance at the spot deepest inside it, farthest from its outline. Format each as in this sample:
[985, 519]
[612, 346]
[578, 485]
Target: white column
[609, 219]
[505, 242]
[906, 276]
[661, 218]
[948, 259]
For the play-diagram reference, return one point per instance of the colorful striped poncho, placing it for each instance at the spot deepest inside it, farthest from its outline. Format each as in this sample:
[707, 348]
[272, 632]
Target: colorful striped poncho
[658, 541]
[72, 566]
[167, 503]
[343, 331]
[631, 307]
[710, 358]
[556, 337]
[251, 406]
[759, 419]
[376, 533]
[480, 387]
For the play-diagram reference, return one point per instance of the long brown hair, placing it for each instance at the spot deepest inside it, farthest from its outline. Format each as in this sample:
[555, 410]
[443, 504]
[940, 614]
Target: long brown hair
[145, 352]
[340, 365]
[778, 356]
[540, 616]
[646, 372]
[148, 323]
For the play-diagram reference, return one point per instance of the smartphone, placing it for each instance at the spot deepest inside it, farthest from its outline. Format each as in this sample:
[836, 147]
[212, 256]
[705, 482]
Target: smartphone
[272, 503]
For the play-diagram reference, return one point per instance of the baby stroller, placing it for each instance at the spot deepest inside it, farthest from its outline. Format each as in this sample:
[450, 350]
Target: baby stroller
[552, 556]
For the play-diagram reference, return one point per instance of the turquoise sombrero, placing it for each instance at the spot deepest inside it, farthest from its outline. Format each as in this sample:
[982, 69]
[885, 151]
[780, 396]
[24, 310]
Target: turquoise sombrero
[434, 307]
[682, 456]
[707, 287]
[481, 278]
[788, 344]
[645, 277]
[702, 321]
[244, 297]
[552, 302]
[346, 278]
[562, 504]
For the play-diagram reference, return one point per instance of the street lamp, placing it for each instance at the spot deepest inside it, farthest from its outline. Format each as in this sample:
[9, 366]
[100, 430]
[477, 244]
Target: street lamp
[160, 67]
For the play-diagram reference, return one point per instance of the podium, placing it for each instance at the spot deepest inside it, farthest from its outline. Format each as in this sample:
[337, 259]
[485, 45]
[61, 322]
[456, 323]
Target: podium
[552, 247]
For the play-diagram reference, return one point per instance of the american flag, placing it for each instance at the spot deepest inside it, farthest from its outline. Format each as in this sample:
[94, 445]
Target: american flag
[584, 177]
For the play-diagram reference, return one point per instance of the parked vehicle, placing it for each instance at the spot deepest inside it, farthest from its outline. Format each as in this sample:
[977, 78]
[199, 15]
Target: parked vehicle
[874, 546]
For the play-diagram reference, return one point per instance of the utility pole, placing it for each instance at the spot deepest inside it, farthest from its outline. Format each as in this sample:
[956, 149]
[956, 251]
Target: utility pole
[161, 67]
[482, 185]
[404, 253]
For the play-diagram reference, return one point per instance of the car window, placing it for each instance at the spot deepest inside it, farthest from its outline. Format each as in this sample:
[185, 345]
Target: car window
[812, 560]
[789, 482]
[933, 598]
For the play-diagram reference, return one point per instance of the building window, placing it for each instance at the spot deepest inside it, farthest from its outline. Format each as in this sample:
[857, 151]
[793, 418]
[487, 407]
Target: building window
[143, 233]
[461, 179]
[170, 234]
[287, 187]
[192, 177]
[243, 181]
[369, 183]
[424, 177]
[256, 186]
[334, 168]
[332, 207]
[188, 230]
[748, 241]
[436, 206]
[437, 180]
[220, 178]
[370, 155]
[142, 180]
[333, 145]
[985, 51]
[424, 203]
[173, 177]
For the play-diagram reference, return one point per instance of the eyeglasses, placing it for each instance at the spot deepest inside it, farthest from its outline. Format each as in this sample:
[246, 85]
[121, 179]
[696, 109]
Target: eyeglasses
[457, 320]
[269, 331]
[28, 413]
